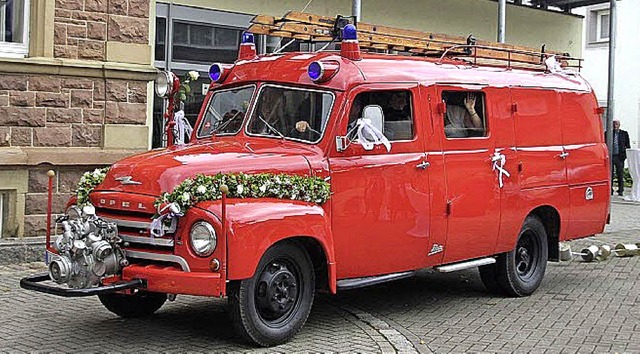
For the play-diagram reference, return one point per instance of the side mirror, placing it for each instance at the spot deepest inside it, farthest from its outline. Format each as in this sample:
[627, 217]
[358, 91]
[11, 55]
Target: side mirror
[375, 115]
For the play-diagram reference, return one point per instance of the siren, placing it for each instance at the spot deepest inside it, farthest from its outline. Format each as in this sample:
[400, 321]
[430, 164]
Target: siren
[350, 48]
[219, 72]
[247, 49]
[324, 70]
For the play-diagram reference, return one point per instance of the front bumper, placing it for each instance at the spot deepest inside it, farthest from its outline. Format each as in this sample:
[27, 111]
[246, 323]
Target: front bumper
[154, 278]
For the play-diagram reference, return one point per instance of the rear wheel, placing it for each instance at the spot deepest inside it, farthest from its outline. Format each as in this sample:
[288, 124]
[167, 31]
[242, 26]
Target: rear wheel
[520, 271]
[140, 304]
[271, 307]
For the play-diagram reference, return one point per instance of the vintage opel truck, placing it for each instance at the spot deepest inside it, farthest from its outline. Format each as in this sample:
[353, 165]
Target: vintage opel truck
[332, 170]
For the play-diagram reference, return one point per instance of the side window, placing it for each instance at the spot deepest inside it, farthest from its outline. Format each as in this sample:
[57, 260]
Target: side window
[465, 115]
[397, 110]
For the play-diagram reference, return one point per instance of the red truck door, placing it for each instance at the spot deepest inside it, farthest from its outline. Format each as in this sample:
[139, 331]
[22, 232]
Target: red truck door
[587, 167]
[380, 198]
[473, 193]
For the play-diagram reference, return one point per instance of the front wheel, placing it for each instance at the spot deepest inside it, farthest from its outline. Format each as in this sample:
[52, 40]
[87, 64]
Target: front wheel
[520, 271]
[140, 304]
[271, 307]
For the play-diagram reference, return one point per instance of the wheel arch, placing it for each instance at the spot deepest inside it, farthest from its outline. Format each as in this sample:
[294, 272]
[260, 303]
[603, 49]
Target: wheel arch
[550, 218]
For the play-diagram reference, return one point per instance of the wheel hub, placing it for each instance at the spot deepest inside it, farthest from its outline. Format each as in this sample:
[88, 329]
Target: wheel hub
[525, 256]
[277, 291]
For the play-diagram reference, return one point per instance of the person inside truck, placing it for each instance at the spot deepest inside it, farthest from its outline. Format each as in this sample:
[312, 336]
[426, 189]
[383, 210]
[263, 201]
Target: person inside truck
[397, 109]
[462, 118]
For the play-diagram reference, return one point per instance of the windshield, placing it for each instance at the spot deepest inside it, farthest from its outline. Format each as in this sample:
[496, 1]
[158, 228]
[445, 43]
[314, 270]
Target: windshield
[226, 111]
[291, 113]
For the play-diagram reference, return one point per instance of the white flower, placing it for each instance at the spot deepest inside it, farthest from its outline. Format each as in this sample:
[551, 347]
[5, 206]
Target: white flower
[201, 189]
[186, 197]
[193, 75]
[263, 188]
[240, 189]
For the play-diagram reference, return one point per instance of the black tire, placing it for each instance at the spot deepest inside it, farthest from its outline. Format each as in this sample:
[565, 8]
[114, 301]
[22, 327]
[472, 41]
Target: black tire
[519, 272]
[271, 307]
[140, 304]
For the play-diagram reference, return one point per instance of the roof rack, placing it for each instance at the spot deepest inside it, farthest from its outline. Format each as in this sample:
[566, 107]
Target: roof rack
[315, 28]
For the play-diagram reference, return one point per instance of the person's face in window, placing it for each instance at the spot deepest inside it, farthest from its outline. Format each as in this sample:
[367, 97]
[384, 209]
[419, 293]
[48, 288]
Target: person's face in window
[398, 102]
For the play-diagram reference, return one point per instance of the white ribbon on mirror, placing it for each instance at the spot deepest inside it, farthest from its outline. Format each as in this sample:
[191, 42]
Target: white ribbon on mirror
[183, 127]
[370, 136]
[499, 160]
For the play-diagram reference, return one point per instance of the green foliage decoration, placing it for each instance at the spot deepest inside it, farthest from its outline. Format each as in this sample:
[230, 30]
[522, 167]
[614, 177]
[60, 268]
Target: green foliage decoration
[241, 185]
[88, 182]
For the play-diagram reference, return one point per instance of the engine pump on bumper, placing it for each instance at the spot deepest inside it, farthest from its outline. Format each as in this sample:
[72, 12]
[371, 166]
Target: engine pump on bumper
[88, 249]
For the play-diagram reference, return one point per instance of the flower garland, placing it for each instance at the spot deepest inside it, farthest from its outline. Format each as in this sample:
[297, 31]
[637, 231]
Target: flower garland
[241, 185]
[88, 182]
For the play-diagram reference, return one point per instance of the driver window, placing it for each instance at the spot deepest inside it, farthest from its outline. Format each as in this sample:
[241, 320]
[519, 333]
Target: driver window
[397, 112]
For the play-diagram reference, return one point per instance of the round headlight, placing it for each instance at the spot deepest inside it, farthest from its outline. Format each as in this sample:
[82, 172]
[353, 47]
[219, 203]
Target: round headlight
[203, 238]
[164, 84]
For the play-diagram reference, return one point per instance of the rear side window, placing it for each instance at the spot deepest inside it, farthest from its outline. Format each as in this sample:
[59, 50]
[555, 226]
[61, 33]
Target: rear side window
[397, 108]
[465, 115]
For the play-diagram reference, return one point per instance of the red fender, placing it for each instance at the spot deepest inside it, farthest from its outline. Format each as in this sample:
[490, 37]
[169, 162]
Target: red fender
[254, 225]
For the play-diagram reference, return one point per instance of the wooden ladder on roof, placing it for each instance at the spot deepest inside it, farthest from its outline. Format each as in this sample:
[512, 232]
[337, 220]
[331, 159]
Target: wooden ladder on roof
[315, 28]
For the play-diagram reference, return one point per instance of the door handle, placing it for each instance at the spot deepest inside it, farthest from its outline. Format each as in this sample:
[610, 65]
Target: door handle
[563, 155]
[423, 165]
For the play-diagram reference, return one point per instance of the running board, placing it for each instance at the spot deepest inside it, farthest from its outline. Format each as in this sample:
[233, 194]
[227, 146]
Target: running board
[464, 265]
[353, 283]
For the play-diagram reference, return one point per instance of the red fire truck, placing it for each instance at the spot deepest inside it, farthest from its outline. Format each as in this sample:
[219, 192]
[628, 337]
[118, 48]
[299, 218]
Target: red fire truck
[432, 162]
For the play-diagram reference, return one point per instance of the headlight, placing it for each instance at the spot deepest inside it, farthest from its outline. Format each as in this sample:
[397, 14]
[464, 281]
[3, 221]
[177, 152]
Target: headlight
[164, 84]
[203, 238]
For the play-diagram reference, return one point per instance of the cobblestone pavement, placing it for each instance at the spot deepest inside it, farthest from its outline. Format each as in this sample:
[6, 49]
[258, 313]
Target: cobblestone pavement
[580, 307]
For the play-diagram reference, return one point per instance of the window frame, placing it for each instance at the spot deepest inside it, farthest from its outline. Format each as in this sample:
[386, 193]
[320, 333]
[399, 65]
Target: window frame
[18, 50]
[411, 104]
[599, 15]
[298, 88]
[485, 118]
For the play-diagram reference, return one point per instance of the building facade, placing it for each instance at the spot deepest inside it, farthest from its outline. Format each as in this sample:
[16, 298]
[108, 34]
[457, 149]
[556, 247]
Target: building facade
[76, 75]
[596, 60]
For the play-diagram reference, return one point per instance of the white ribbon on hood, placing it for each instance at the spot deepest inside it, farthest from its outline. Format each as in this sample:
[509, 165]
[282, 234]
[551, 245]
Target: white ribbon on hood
[183, 127]
[373, 135]
[499, 160]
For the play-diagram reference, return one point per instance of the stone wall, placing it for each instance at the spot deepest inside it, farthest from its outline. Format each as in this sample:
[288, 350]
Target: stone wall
[82, 27]
[64, 185]
[60, 111]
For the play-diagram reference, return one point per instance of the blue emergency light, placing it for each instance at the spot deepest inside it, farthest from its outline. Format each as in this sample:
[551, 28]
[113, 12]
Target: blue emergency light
[349, 33]
[215, 72]
[247, 37]
[315, 71]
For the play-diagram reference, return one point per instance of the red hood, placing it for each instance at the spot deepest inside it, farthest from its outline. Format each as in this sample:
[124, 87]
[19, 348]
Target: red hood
[162, 170]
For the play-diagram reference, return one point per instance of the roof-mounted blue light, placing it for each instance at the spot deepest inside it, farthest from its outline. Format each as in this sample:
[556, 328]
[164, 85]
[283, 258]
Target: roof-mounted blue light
[247, 37]
[315, 71]
[215, 72]
[349, 32]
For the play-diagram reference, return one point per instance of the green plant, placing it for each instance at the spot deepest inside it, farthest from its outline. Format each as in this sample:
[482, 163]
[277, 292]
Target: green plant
[628, 181]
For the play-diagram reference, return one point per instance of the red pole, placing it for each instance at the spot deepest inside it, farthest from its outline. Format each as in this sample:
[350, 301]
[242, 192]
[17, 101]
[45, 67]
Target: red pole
[223, 245]
[170, 121]
[51, 174]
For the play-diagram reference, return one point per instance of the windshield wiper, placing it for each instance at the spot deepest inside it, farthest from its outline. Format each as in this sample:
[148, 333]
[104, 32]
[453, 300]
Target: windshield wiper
[224, 125]
[271, 128]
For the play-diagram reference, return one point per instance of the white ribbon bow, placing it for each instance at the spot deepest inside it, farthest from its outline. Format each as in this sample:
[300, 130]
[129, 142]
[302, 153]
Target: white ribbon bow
[157, 224]
[183, 127]
[499, 160]
[373, 134]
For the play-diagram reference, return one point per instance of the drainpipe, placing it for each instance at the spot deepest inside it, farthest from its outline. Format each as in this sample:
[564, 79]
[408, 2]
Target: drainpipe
[502, 15]
[612, 61]
[356, 5]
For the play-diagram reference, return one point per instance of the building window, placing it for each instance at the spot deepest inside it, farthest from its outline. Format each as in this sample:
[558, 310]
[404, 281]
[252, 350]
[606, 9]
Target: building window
[602, 26]
[14, 28]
